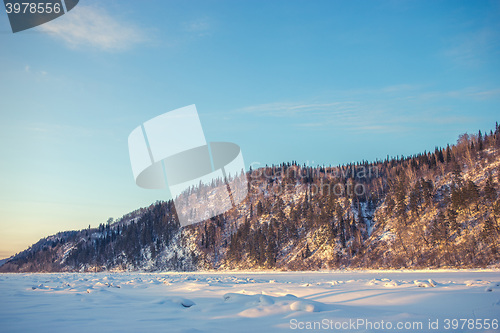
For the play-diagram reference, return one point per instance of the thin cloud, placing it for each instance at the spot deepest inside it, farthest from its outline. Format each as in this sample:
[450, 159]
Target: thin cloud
[398, 88]
[487, 94]
[388, 109]
[472, 50]
[284, 109]
[381, 128]
[200, 27]
[87, 26]
[34, 73]
[450, 120]
[382, 91]
[465, 93]
[59, 130]
[316, 115]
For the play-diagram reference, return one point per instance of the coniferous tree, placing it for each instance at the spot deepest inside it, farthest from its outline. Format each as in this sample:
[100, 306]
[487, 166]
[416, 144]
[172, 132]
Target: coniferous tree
[490, 190]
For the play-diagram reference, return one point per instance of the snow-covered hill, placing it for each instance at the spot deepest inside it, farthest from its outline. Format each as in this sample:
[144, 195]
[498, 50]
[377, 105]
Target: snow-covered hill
[438, 209]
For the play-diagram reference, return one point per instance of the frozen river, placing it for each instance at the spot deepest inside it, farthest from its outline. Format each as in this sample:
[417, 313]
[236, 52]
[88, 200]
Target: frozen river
[337, 301]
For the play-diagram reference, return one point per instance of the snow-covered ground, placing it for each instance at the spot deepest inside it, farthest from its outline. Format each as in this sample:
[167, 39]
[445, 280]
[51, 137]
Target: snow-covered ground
[348, 301]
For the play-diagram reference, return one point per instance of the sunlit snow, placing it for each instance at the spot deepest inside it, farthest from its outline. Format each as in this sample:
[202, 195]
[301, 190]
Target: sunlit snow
[243, 301]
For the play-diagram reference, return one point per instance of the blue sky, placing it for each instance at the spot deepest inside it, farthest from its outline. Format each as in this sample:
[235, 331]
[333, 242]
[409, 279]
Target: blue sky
[319, 82]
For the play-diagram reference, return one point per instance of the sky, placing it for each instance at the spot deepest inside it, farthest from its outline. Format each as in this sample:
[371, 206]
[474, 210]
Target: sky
[317, 82]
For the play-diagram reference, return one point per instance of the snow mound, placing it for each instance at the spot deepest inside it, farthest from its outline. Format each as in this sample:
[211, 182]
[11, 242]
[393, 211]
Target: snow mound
[475, 283]
[492, 286]
[425, 284]
[388, 283]
[259, 305]
[177, 301]
[303, 306]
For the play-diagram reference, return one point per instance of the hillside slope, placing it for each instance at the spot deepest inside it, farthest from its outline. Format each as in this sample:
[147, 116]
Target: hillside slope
[436, 209]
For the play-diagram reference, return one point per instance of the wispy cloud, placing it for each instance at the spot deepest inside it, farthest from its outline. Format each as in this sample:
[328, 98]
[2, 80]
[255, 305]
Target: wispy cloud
[471, 49]
[59, 130]
[379, 91]
[388, 109]
[398, 88]
[200, 27]
[86, 26]
[316, 115]
[465, 93]
[487, 94]
[447, 120]
[286, 109]
[34, 73]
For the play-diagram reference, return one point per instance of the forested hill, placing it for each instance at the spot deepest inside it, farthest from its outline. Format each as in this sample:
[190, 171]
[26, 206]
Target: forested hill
[434, 209]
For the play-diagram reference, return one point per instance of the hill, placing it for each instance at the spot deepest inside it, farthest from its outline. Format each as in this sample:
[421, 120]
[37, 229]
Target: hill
[433, 209]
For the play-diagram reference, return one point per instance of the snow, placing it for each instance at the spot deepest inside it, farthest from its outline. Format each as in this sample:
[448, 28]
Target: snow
[3, 261]
[245, 301]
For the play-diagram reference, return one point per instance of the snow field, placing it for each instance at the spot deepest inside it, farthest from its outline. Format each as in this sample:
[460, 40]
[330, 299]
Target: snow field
[245, 301]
